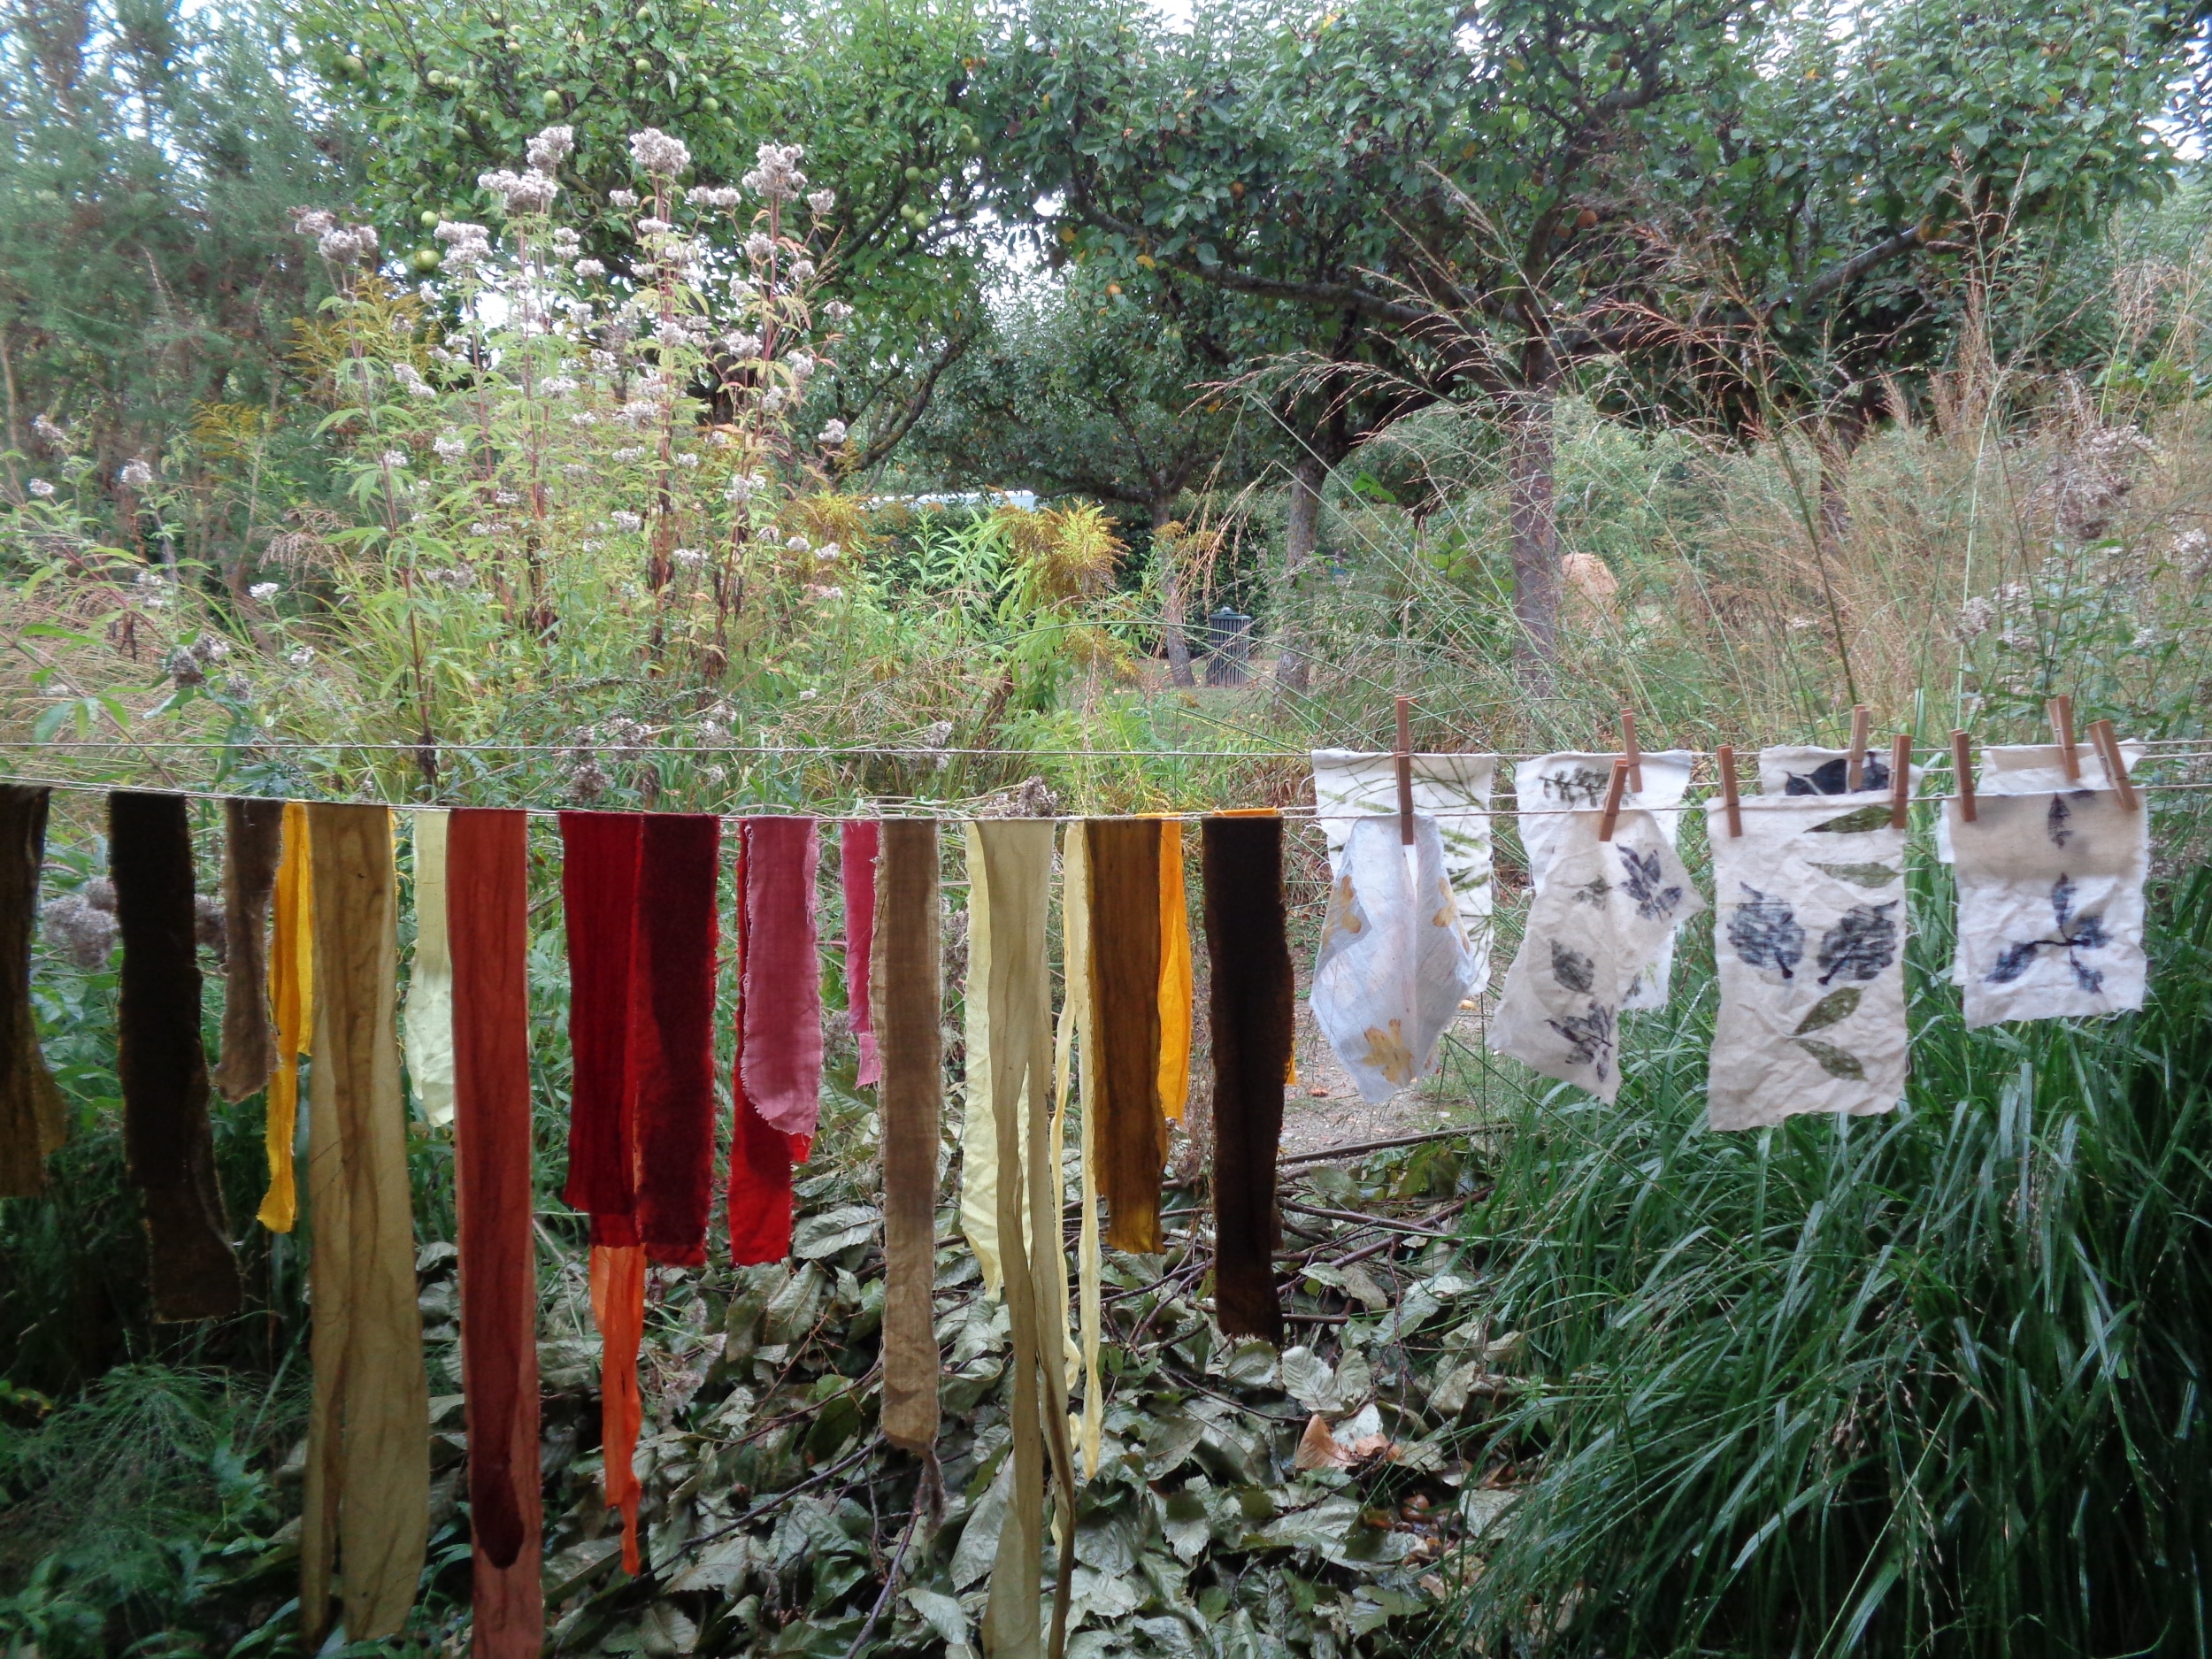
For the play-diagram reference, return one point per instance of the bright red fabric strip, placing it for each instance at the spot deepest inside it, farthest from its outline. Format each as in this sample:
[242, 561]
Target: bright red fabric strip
[857, 846]
[671, 1035]
[487, 911]
[599, 891]
[779, 1061]
[617, 1308]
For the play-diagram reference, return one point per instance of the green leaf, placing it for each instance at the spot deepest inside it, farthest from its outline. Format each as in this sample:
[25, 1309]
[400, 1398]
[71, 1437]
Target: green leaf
[1867, 817]
[1837, 1005]
[1832, 1060]
[1868, 875]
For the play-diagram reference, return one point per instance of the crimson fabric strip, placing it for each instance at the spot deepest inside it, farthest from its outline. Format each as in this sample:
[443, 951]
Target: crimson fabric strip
[857, 844]
[761, 1153]
[672, 1033]
[599, 901]
[781, 997]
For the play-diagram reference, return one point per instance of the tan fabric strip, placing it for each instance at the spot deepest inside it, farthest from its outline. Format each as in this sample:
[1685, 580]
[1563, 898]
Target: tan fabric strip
[32, 1123]
[1121, 1074]
[907, 1000]
[253, 840]
[978, 1128]
[1075, 932]
[428, 1019]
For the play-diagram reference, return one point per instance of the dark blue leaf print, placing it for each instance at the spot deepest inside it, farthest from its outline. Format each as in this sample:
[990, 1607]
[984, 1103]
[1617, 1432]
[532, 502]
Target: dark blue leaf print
[1588, 1037]
[2058, 824]
[1572, 969]
[1641, 874]
[1764, 933]
[1862, 942]
[2074, 933]
[1830, 777]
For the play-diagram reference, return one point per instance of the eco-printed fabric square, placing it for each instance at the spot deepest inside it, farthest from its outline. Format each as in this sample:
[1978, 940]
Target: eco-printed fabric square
[1791, 768]
[1452, 789]
[1809, 932]
[1393, 963]
[2050, 905]
[1593, 932]
[1551, 787]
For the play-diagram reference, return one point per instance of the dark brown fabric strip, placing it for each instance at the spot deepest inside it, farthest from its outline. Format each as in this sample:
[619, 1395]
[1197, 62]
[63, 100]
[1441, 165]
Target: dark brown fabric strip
[31, 1124]
[1251, 1000]
[1123, 1070]
[908, 1008]
[253, 841]
[167, 1140]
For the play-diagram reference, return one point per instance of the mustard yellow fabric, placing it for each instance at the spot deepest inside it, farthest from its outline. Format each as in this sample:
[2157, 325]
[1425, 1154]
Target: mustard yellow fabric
[292, 999]
[1175, 974]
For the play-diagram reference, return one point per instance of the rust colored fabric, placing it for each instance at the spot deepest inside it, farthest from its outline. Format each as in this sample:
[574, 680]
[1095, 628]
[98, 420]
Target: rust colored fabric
[1122, 1070]
[1251, 1009]
[904, 968]
[32, 1121]
[292, 995]
[779, 1058]
[167, 1140]
[672, 1033]
[253, 840]
[617, 1308]
[599, 900]
[486, 915]
[858, 846]
[365, 1519]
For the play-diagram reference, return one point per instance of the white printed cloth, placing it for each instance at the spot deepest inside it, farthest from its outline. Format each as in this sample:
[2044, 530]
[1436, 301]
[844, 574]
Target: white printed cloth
[2032, 769]
[1794, 769]
[2050, 912]
[1594, 929]
[1545, 788]
[1810, 934]
[1394, 963]
[1452, 789]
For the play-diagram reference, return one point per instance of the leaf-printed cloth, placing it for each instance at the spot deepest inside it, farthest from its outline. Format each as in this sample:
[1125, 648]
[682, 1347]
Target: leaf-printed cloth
[1808, 918]
[1595, 931]
[1394, 961]
[2050, 912]
[1550, 789]
[2031, 769]
[1452, 789]
[1800, 769]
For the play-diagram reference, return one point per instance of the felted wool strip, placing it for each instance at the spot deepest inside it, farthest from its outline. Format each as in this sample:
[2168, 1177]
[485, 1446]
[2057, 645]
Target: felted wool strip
[1175, 974]
[292, 997]
[599, 903]
[1121, 1073]
[32, 1123]
[907, 996]
[167, 1140]
[671, 1038]
[857, 846]
[1252, 992]
[367, 1499]
[780, 1002]
[253, 841]
[1809, 915]
[426, 1021]
[488, 910]
[617, 1308]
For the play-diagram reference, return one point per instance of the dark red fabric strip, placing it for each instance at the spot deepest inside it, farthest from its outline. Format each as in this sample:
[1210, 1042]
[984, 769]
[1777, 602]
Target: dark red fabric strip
[671, 1035]
[857, 846]
[599, 894]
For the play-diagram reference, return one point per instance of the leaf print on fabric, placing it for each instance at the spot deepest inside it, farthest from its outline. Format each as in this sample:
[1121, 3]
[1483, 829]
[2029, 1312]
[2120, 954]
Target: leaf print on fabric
[2058, 823]
[1830, 777]
[1867, 817]
[1572, 969]
[1585, 786]
[2075, 933]
[1389, 1053]
[1642, 879]
[1588, 1037]
[1860, 875]
[1594, 891]
[1832, 1059]
[1832, 1009]
[1764, 933]
[1862, 942]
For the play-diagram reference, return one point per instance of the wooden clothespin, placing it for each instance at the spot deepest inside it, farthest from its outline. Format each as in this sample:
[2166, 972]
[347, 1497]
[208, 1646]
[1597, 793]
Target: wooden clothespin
[1962, 770]
[1405, 759]
[1900, 779]
[1729, 800]
[1854, 767]
[2061, 709]
[1630, 753]
[1612, 798]
[2115, 765]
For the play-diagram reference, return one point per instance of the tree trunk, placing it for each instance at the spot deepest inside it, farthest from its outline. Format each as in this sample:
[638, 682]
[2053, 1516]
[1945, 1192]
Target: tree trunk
[1171, 617]
[1535, 534]
[1301, 536]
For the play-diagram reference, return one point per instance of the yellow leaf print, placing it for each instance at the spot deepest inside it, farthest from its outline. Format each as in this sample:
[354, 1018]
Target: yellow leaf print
[1388, 1052]
[1343, 911]
[1443, 918]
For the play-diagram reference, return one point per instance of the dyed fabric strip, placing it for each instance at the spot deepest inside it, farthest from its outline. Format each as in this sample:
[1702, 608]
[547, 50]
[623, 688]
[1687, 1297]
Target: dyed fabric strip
[253, 841]
[31, 1124]
[857, 849]
[1121, 1073]
[366, 1515]
[167, 1140]
[904, 971]
[1251, 1019]
[599, 901]
[292, 997]
[488, 910]
[1079, 1023]
[617, 1308]
[1175, 974]
[780, 1002]
[978, 1127]
[671, 1035]
[427, 1018]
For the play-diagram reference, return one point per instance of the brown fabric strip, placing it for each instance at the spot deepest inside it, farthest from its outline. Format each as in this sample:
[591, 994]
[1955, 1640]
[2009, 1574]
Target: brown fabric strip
[167, 1140]
[32, 1123]
[367, 1499]
[908, 1007]
[1251, 1002]
[253, 840]
[1122, 1070]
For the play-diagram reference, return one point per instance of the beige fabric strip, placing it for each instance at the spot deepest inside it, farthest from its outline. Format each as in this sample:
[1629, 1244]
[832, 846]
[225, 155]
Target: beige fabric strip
[428, 1019]
[1077, 1022]
[907, 998]
[978, 1128]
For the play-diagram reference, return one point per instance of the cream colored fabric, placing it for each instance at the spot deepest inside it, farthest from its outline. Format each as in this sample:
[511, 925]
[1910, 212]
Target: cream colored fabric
[1548, 789]
[1595, 930]
[1076, 1026]
[428, 1021]
[1809, 931]
[1807, 770]
[292, 1000]
[978, 1126]
[1453, 790]
[367, 1497]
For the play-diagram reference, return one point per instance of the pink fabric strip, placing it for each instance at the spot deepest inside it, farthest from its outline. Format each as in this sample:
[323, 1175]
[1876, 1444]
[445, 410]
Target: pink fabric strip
[780, 1056]
[856, 861]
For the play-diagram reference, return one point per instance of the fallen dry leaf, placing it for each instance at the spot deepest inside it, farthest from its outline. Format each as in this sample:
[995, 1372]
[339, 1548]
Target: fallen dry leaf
[1318, 1448]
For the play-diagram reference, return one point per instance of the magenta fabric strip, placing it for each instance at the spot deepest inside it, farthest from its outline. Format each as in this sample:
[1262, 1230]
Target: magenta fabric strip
[780, 1057]
[857, 847]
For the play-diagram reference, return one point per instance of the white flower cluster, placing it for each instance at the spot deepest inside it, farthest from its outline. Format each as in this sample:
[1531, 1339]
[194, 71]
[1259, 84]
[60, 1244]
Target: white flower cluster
[590, 270]
[82, 925]
[718, 195]
[803, 270]
[760, 247]
[690, 558]
[566, 243]
[651, 226]
[457, 576]
[530, 192]
[623, 198]
[629, 454]
[801, 363]
[557, 385]
[261, 593]
[341, 244]
[153, 590]
[40, 489]
[550, 148]
[137, 475]
[48, 433]
[837, 311]
[393, 458]
[450, 445]
[629, 521]
[466, 244]
[1975, 616]
[188, 664]
[655, 152]
[823, 202]
[832, 433]
[777, 177]
[744, 486]
[410, 380]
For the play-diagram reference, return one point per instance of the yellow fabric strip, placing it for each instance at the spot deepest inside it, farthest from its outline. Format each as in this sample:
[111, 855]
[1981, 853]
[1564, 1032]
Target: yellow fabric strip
[1075, 921]
[428, 1019]
[292, 999]
[1175, 974]
[978, 1128]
